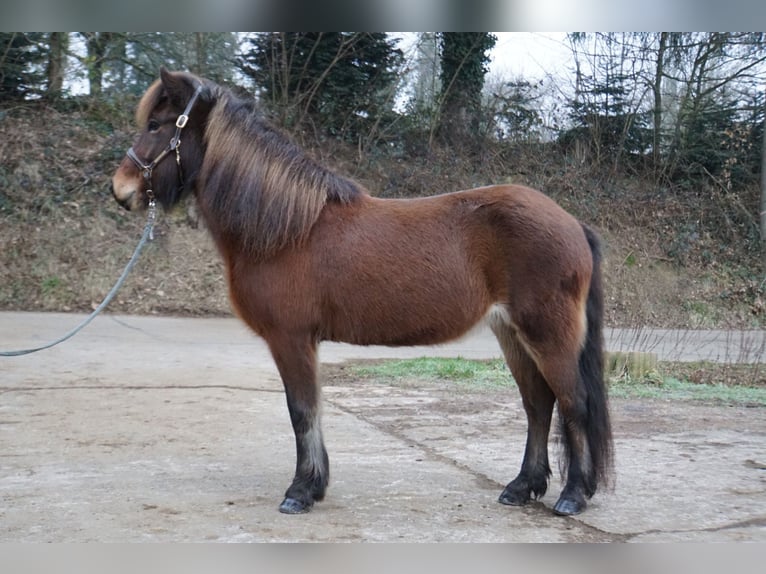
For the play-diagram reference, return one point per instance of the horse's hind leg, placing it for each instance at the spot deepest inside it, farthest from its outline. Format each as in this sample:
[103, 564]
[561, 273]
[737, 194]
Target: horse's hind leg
[562, 374]
[557, 371]
[296, 361]
[538, 399]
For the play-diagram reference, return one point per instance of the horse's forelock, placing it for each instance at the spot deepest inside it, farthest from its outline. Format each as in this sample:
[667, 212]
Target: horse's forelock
[149, 101]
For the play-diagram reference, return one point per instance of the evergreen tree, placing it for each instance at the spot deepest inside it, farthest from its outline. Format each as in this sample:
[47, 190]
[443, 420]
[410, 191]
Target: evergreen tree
[516, 111]
[464, 60]
[126, 63]
[603, 111]
[23, 58]
[718, 109]
[341, 82]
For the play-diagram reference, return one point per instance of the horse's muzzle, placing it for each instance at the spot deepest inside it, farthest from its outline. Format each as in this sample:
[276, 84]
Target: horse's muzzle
[123, 201]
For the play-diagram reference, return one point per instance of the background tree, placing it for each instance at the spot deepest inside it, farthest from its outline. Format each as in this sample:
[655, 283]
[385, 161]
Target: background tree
[464, 61]
[712, 75]
[701, 90]
[57, 55]
[341, 83]
[514, 109]
[98, 45]
[22, 65]
[425, 84]
[422, 84]
[608, 110]
[763, 193]
[118, 64]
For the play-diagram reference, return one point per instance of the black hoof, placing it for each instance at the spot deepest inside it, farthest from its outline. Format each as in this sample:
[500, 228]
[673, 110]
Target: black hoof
[569, 506]
[292, 506]
[514, 497]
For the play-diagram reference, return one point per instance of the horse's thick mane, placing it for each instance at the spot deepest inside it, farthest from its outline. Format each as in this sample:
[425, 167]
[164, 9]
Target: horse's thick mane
[258, 187]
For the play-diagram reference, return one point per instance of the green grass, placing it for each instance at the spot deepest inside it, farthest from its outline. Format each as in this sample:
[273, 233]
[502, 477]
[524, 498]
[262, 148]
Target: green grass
[494, 375]
[480, 374]
[665, 387]
[50, 285]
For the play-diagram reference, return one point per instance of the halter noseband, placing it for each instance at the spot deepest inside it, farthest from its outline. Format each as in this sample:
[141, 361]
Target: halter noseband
[173, 145]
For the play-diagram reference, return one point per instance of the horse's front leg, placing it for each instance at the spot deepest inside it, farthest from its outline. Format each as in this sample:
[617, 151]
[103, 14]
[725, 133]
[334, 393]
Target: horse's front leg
[296, 360]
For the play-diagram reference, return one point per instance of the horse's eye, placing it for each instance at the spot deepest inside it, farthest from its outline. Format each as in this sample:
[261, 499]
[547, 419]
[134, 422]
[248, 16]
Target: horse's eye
[153, 125]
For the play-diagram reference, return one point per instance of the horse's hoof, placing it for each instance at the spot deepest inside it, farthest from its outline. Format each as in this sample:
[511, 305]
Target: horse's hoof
[511, 498]
[292, 506]
[568, 507]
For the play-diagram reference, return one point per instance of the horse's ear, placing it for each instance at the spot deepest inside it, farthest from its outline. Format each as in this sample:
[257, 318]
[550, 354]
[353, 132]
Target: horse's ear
[177, 85]
[170, 80]
[180, 87]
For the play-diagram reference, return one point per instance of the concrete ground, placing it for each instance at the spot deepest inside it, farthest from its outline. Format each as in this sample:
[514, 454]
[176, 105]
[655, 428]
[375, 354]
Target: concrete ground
[176, 429]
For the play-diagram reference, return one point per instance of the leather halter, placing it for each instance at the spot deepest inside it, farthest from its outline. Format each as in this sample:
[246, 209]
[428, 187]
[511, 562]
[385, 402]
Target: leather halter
[173, 145]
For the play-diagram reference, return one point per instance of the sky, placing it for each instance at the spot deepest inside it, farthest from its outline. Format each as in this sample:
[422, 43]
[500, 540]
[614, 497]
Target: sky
[532, 55]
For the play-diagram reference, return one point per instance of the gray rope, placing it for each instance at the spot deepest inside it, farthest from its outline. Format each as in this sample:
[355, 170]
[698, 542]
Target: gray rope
[147, 235]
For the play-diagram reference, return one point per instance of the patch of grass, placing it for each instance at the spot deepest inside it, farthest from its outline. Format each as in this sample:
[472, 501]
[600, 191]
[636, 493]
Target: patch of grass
[655, 384]
[50, 285]
[701, 314]
[487, 374]
[630, 260]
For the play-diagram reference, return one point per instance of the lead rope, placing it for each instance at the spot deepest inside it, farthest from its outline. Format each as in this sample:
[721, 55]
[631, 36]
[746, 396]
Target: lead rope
[148, 235]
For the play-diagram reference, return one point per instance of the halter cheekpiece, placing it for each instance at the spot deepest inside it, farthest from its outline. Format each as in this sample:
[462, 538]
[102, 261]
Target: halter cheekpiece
[173, 145]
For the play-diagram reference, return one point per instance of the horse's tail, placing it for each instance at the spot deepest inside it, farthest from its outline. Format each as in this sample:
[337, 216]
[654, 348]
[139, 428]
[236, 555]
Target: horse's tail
[598, 427]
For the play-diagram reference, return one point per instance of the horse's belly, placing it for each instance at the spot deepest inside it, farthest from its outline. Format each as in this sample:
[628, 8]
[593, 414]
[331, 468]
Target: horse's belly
[398, 313]
[402, 273]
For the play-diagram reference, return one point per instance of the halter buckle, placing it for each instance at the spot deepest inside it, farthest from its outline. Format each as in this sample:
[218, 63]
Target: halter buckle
[181, 121]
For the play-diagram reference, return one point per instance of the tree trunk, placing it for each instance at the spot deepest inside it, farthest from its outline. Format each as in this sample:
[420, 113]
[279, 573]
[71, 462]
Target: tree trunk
[464, 59]
[97, 43]
[763, 196]
[657, 89]
[56, 63]
[200, 49]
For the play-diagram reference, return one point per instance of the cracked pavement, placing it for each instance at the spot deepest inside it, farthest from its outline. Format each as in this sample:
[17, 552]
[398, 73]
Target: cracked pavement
[176, 429]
